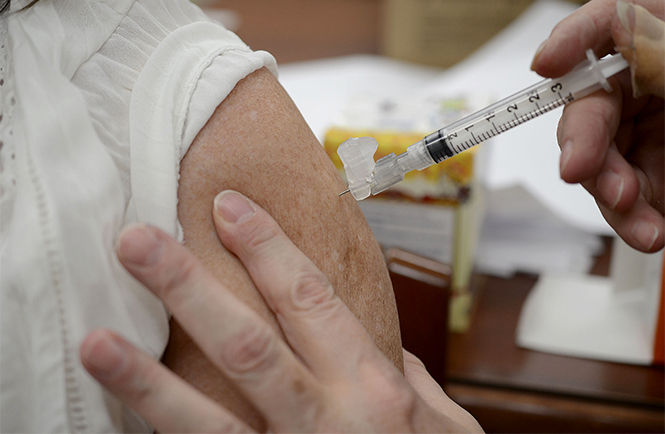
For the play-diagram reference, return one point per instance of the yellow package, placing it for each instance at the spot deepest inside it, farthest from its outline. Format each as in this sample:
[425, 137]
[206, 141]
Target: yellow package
[447, 183]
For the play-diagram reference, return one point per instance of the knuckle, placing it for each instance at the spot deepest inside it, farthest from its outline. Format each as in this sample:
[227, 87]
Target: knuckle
[223, 424]
[316, 414]
[311, 290]
[170, 278]
[395, 398]
[397, 394]
[599, 118]
[258, 235]
[139, 380]
[385, 381]
[644, 185]
[142, 383]
[252, 349]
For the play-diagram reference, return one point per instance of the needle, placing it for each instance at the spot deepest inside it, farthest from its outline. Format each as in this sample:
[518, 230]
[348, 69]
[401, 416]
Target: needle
[344, 192]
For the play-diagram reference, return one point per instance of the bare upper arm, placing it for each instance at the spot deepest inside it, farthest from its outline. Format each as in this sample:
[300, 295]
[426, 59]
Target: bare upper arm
[257, 143]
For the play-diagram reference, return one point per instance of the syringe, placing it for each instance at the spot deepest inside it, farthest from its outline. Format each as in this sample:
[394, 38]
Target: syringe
[365, 177]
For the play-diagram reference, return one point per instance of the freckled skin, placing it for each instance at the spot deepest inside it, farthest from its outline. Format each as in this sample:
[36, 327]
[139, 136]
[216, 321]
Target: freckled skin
[298, 387]
[257, 143]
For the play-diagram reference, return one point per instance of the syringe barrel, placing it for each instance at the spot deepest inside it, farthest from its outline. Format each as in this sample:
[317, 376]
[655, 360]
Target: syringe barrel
[523, 106]
[437, 146]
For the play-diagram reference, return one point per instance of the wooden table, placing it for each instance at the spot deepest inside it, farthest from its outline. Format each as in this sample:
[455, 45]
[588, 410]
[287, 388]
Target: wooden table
[510, 389]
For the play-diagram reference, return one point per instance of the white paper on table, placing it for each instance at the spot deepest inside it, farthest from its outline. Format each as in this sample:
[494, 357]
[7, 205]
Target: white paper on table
[606, 318]
[520, 233]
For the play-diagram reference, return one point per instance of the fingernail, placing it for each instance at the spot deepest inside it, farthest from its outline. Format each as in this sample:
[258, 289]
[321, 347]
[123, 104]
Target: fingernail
[138, 244]
[566, 153]
[103, 356]
[610, 187]
[626, 15]
[538, 51]
[233, 207]
[645, 233]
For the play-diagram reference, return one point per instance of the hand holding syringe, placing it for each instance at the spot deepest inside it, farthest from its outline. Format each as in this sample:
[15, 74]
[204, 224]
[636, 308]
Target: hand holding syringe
[366, 177]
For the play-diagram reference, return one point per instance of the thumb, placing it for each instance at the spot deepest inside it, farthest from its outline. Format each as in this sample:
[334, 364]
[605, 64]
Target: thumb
[416, 374]
[640, 37]
[429, 390]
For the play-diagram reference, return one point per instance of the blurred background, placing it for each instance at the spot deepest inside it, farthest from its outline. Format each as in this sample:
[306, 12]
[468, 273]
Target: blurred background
[434, 32]
[510, 285]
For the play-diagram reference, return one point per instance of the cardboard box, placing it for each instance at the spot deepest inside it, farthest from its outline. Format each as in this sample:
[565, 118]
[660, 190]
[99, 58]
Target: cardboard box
[447, 183]
[443, 32]
[436, 212]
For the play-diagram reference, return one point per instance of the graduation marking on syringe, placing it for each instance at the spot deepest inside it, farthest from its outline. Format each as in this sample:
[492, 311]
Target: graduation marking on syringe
[480, 126]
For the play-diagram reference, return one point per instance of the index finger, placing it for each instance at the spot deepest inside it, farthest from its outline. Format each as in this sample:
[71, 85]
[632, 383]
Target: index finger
[230, 333]
[587, 27]
[586, 131]
[316, 322]
[594, 25]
